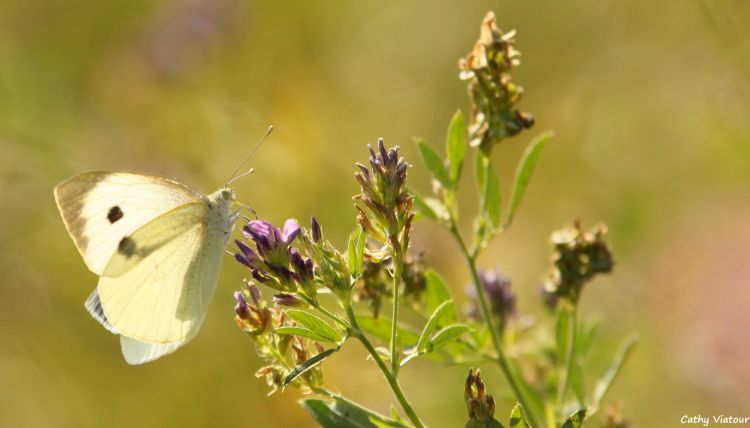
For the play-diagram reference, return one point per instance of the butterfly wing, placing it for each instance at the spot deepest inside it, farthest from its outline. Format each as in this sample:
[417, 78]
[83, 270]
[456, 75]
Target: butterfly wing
[137, 352]
[100, 208]
[157, 287]
[157, 245]
[134, 351]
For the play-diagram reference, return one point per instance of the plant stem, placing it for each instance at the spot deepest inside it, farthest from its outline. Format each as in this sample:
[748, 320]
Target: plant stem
[332, 316]
[501, 359]
[398, 267]
[389, 377]
[569, 358]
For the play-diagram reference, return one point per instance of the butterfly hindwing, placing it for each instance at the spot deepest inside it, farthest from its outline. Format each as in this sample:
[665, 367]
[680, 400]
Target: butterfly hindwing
[162, 295]
[94, 307]
[99, 209]
[137, 352]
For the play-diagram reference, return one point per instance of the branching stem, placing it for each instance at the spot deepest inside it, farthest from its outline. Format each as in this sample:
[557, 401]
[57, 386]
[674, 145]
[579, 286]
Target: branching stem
[389, 377]
[501, 359]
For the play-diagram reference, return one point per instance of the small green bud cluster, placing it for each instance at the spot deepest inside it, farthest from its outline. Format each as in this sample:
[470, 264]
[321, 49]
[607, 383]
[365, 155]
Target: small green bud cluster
[492, 92]
[578, 257]
[479, 404]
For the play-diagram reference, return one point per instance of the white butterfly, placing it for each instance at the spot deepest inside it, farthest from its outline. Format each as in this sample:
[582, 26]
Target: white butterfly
[157, 245]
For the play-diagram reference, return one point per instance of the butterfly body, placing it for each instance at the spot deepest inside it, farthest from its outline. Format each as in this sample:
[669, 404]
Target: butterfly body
[157, 245]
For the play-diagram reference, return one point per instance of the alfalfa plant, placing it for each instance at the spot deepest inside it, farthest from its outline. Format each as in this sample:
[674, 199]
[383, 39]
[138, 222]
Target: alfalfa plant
[543, 364]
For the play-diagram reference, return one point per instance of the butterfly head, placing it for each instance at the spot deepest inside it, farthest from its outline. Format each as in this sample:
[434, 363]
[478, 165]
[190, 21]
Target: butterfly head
[227, 194]
[221, 200]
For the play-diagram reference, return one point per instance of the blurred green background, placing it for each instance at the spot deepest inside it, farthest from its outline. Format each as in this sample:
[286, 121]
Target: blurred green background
[650, 102]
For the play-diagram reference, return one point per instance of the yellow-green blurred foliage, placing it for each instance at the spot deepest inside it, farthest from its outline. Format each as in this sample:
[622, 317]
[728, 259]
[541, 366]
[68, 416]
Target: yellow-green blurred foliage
[650, 101]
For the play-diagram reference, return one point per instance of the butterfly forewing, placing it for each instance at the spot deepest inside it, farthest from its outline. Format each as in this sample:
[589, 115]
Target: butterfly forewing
[101, 208]
[134, 248]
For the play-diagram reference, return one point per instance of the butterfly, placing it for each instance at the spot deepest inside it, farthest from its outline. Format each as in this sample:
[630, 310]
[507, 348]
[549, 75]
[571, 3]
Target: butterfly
[157, 245]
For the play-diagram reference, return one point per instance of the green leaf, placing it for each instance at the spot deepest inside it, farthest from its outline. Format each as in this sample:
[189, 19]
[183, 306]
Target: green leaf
[586, 332]
[432, 324]
[441, 211]
[381, 328]
[361, 240]
[326, 416]
[562, 332]
[534, 399]
[489, 189]
[394, 414]
[435, 293]
[434, 164]
[445, 335]
[524, 170]
[480, 161]
[456, 145]
[387, 424]
[492, 196]
[576, 381]
[355, 252]
[343, 414]
[303, 332]
[575, 420]
[314, 324]
[517, 418]
[307, 365]
[422, 208]
[605, 382]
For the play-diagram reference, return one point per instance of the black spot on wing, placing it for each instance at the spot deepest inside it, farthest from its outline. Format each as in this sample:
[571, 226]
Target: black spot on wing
[126, 247]
[114, 214]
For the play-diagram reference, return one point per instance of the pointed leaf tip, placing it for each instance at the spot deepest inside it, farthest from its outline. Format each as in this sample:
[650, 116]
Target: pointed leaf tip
[524, 171]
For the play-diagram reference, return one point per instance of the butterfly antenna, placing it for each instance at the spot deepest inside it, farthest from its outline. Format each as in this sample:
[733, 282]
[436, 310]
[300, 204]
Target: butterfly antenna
[244, 174]
[252, 151]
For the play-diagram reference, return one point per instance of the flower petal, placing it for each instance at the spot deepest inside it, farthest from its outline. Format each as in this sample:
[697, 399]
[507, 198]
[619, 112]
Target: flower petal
[291, 230]
[241, 258]
[247, 251]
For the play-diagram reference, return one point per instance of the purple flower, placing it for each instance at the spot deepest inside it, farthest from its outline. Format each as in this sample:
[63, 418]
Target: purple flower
[303, 267]
[272, 244]
[497, 289]
[383, 196]
[272, 260]
[246, 256]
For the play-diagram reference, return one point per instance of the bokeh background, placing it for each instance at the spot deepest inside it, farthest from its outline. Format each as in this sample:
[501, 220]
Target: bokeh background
[650, 102]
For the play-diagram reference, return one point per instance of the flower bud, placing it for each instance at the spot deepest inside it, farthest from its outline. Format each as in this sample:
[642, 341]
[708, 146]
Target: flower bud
[479, 405]
[578, 257]
[241, 308]
[493, 94]
[285, 299]
[316, 232]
